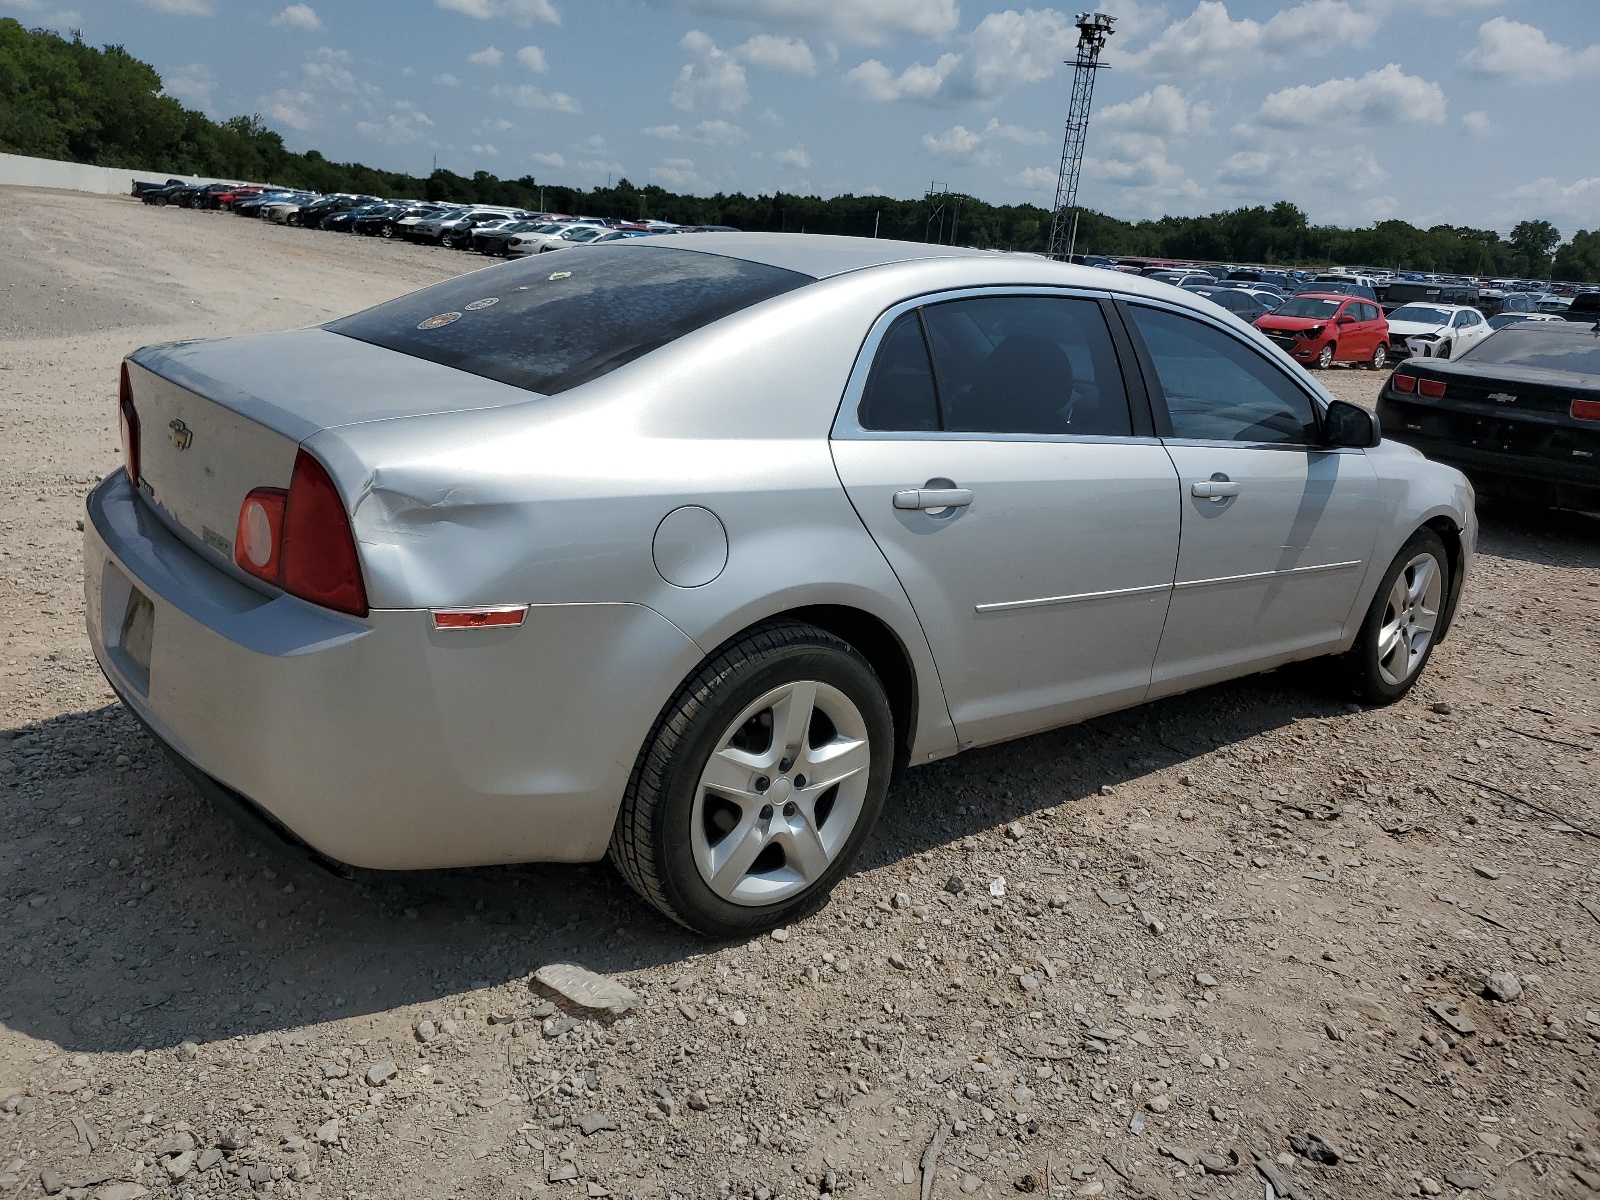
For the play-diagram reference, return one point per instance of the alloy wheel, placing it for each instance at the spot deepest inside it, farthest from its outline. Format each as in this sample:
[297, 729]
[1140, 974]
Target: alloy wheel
[1325, 358]
[1380, 356]
[1411, 614]
[781, 794]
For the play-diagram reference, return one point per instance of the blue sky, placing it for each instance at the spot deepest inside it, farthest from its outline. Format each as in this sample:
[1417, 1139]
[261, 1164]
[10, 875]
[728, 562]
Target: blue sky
[1477, 112]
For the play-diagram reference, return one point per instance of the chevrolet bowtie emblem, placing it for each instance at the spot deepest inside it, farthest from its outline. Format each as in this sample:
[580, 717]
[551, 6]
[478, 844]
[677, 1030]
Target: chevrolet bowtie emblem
[1502, 397]
[180, 434]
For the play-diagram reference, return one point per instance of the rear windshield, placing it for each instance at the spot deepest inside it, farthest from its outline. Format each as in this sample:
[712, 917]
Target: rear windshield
[551, 322]
[1304, 306]
[1543, 344]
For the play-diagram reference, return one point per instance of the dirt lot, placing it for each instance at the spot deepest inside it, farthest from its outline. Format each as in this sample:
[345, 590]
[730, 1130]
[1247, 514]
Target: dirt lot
[1250, 924]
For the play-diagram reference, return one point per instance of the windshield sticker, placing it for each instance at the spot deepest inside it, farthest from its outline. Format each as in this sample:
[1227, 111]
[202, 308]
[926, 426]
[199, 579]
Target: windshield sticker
[562, 275]
[486, 302]
[440, 321]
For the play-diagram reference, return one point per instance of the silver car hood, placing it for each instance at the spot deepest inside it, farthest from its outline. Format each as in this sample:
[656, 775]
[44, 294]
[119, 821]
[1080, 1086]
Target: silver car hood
[305, 380]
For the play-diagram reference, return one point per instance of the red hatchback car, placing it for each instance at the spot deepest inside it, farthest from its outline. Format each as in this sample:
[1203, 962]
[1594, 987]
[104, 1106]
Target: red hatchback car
[1322, 329]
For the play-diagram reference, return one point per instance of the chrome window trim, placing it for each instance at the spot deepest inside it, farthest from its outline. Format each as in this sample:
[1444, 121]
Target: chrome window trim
[847, 422]
[1318, 404]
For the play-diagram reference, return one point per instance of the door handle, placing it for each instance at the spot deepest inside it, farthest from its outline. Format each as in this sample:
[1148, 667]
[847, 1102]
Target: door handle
[1214, 489]
[913, 499]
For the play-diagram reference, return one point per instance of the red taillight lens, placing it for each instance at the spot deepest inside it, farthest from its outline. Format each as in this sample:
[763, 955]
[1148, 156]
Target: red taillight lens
[128, 422]
[1432, 388]
[300, 540]
[1586, 410]
[258, 542]
[1403, 383]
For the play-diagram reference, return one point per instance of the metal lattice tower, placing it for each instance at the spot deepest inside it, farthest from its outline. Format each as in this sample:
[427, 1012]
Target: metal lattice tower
[1093, 30]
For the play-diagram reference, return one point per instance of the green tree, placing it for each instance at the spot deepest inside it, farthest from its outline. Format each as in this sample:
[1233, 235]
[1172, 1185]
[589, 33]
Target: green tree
[1535, 243]
[1579, 260]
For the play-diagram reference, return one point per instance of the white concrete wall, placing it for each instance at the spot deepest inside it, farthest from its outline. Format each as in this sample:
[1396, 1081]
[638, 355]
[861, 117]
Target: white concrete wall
[19, 171]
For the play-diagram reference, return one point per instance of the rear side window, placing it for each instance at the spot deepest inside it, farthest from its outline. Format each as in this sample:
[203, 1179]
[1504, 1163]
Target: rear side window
[1219, 390]
[900, 394]
[1027, 364]
[552, 322]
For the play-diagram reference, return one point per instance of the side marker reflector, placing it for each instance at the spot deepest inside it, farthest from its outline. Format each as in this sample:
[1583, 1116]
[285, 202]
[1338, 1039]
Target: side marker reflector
[499, 616]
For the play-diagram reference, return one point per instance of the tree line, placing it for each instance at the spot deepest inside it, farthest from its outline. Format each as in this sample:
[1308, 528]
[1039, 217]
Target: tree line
[61, 98]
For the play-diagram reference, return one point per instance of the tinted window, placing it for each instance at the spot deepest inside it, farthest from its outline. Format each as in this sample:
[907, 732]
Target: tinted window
[900, 393]
[552, 322]
[1027, 364]
[1305, 306]
[1218, 389]
[1545, 344]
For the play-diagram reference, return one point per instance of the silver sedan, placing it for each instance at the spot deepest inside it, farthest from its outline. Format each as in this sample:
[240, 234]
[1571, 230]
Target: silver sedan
[680, 548]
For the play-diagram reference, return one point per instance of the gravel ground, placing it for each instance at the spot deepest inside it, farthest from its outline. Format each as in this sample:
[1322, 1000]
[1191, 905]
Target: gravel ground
[1249, 933]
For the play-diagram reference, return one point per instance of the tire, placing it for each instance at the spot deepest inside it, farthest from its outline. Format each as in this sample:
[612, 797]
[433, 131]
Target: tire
[1402, 623]
[766, 845]
[386, 231]
[1444, 350]
[1380, 357]
[1324, 358]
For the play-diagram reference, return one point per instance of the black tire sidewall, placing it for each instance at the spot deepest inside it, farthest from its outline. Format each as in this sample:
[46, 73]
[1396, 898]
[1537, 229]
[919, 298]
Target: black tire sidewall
[1369, 681]
[688, 894]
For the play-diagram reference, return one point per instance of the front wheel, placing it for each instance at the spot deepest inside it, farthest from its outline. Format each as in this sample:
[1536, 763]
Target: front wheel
[1444, 350]
[759, 784]
[1324, 358]
[1380, 357]
[1397, 637]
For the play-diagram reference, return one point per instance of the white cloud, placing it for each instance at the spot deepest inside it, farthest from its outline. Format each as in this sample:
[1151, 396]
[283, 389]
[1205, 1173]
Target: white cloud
[1387, 96]
[1006, 49]
[1246, 165]
[1034, 179]
[180, 8]
[298, 16]
[1477, 123]
[1380, 208]
[525, 95]
[714, 79]
[490, 56]
[1513, 50]
[960, 144]
[873, 80]
[1146, 179]
[548, 160]
[400, 127]
[598, 166]
[1209, 41]
[711, 133]
[777, 54]
[795, 156]
[291, 108]
[484, 150]
[445, 79]
[498, 125]
[1163, 110]
[675, 172]
[858, 21]
[523, 12]
[1578, 202]
[533, 58]
[194, 85]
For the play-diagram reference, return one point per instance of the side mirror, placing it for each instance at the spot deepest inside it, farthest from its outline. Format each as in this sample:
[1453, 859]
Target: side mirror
[1346, 319]
[1347, 424]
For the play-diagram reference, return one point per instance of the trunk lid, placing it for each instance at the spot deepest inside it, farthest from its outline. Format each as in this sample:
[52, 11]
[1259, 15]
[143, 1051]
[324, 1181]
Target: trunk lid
[220, 418]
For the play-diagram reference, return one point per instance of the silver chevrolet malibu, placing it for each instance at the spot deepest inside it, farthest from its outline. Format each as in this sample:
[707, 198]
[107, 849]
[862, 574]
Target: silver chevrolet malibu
[678, 549]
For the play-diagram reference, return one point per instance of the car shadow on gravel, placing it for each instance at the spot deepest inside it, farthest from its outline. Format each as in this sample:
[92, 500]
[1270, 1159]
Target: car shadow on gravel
[141, 915]
[1543, 536]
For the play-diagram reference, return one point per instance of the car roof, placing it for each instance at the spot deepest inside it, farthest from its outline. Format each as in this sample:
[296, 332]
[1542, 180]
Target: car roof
[820, 255]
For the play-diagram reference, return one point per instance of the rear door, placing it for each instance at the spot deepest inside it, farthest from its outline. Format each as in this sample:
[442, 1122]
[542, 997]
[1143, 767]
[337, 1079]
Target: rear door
[1021, 499]
[1276, 528]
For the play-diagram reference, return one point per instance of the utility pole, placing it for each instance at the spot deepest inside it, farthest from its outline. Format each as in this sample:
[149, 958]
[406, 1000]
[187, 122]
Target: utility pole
[1093, 30]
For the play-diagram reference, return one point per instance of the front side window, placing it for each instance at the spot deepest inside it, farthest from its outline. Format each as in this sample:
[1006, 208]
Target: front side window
[1027, 364]
[1218, 389]
[549, 328]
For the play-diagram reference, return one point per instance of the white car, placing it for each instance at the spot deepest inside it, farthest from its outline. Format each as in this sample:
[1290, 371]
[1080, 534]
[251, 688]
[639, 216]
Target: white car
[1435, 330]
[558, 238]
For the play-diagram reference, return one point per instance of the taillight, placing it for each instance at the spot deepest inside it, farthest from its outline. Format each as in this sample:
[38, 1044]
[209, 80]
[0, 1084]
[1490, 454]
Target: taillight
[1432, 388]
[128, 422]
[300, 540]
[1586, 410]
[1403, 383]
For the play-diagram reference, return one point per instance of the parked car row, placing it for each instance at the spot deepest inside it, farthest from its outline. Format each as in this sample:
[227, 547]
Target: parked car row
[488, 229]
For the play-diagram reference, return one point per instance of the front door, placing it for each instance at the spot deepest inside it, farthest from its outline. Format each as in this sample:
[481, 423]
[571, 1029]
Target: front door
[1034, 533]
[1276, 528]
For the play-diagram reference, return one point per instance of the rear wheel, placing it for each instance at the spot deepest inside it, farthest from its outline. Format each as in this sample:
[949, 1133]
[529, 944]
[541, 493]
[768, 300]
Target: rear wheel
[759, 784]
[1380, 357]
[1397, 637]
[1324, 358]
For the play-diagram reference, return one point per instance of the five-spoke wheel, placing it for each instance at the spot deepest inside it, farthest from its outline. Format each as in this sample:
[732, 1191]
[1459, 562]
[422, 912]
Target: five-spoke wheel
[1403, 623]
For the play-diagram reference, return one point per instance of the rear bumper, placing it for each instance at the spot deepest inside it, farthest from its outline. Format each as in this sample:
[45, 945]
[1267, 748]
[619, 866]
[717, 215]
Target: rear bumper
[382, 743]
